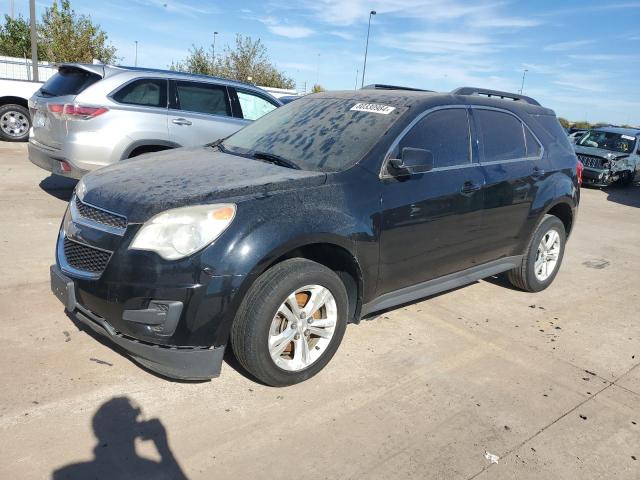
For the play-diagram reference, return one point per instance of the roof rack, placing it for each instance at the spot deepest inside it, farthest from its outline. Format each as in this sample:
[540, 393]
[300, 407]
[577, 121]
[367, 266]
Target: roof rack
[494, 93]
[381, 86]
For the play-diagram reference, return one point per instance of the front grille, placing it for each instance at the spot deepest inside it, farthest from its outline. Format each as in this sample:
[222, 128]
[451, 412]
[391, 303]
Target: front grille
[100, 216]
[83, 257]
[592, 162]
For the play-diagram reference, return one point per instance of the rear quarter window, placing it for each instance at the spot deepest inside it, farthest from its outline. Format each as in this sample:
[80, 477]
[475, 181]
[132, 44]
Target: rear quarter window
[69, 81]
[146, 92]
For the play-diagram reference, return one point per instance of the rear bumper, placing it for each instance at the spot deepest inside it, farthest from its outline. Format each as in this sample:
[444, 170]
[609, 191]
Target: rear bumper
[180, 362]
[52, 161]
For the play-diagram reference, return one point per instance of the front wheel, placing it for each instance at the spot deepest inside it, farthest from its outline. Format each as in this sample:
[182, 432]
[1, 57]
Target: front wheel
[542, 260]
[14, 123]
[291, 322]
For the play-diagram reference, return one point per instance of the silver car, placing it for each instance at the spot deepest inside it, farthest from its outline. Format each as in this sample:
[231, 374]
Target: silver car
[89, 116]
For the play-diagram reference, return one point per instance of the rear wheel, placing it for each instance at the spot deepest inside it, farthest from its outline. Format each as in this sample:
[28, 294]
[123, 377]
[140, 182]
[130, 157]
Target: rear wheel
[542, 260]
[14, 123]
[291, 322]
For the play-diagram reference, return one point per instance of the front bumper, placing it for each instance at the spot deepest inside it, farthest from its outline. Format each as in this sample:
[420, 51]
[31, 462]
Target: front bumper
[598, 177]
[181, 362]
[53, 161]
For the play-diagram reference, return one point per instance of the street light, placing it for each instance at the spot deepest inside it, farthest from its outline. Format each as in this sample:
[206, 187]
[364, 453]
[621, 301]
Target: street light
[136, 60]
[214, 47]
[366, 48]
[523, 75]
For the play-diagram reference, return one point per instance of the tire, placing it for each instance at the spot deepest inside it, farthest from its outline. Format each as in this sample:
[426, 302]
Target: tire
[259, 323]
[15, 123]
[525, 276]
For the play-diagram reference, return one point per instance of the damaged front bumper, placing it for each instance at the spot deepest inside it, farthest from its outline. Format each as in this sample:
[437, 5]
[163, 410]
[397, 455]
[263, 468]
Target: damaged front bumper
[180, 362]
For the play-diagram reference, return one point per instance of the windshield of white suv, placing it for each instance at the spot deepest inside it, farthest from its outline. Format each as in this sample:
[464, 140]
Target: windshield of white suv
[320, 134]
[616, 142]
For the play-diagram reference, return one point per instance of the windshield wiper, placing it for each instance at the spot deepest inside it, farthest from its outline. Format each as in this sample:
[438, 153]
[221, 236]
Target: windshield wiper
[275, 159]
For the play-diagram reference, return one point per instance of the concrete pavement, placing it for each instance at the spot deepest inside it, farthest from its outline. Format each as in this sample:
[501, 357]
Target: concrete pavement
[548, 382]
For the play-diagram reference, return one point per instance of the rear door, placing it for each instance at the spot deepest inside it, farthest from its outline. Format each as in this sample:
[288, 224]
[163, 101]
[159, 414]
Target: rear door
[46, 105]
[513, 167]
[431, 221]
[200, 113]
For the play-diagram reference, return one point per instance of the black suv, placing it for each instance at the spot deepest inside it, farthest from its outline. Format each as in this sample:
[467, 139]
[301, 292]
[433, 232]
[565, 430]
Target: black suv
[324, 211]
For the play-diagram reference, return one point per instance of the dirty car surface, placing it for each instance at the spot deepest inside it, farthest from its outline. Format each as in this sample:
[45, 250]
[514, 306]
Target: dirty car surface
[305, 220]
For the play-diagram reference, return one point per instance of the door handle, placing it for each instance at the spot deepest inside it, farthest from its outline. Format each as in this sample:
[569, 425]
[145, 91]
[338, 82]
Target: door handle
[181, 121]
[537, 172]
[469, 187]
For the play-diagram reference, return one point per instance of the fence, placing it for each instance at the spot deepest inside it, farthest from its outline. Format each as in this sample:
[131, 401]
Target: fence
[13, 68]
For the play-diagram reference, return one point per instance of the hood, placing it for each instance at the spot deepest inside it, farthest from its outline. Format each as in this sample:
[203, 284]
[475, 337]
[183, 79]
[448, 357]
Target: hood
[142, 187]
[600, 152]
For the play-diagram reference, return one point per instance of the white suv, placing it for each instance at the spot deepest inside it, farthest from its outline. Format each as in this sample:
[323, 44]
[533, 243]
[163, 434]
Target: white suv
[89, 116]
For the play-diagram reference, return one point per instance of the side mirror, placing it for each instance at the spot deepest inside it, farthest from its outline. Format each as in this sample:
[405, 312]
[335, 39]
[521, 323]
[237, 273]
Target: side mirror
[414, 160]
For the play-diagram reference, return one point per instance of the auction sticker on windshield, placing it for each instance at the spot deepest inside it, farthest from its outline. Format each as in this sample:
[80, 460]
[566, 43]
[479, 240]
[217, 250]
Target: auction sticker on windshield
[373, 108]
[628, 137]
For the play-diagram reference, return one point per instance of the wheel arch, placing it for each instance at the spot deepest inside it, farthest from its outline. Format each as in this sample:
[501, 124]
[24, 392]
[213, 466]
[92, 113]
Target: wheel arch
[147, 144]
[12, 100]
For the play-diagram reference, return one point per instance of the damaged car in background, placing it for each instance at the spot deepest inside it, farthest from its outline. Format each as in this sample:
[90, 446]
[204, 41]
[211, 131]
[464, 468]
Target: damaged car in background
[609, 155]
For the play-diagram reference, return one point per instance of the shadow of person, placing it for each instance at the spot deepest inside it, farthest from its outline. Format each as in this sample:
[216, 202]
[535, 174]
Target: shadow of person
[117, 427]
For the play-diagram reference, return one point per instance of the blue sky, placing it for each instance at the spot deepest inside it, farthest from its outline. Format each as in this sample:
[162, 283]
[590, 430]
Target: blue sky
[582, 57]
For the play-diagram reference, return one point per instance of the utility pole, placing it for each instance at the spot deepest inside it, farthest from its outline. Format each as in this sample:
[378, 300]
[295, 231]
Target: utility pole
[136, 60]
[523, 75]
[12, 10]
[355, 87]
[366, 48]
[34, 39]
[214, 48]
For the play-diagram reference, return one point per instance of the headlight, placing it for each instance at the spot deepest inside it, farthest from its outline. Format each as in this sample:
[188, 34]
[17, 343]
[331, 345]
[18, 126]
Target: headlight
[183, 231]
[81, 188]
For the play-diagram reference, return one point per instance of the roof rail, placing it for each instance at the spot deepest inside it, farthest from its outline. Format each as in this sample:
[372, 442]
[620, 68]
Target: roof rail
[381, 86]
[494, 93]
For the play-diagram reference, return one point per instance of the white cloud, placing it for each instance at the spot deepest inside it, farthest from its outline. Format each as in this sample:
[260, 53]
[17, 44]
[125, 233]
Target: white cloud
[342, 34]
[589, 82]
[284, 29]
[564, 46]
[439, 42]
[503, 22]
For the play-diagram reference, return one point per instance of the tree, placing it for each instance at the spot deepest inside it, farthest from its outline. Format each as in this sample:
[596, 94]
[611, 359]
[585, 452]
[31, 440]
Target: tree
[317, 88]
[69, 37]
[247, 61]
[564, 122]
[15, 38]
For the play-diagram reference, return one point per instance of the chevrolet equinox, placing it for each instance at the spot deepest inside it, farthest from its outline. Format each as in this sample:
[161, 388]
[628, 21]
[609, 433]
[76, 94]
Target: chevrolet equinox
[324, 211]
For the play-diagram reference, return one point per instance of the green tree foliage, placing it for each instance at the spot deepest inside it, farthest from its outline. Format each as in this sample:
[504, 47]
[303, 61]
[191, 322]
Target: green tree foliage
[248, 61]
[15, 38]
[69, 37]
[63, 36]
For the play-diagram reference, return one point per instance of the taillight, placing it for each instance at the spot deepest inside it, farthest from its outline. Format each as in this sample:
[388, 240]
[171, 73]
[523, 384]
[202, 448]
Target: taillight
[579, 169]
[72, 111]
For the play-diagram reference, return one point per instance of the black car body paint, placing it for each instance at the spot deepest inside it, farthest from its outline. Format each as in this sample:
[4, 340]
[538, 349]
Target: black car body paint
[396, 231]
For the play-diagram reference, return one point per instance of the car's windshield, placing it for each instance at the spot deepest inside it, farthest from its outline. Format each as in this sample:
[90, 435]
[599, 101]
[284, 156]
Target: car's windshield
[317, 133]
[615, 142]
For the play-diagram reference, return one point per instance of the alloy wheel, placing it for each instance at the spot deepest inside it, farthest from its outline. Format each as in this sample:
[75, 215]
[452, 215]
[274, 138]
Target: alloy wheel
[547, 255]
[302, 328]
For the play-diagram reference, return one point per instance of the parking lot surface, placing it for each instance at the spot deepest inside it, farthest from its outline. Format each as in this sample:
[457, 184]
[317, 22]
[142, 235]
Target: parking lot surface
[548, 382]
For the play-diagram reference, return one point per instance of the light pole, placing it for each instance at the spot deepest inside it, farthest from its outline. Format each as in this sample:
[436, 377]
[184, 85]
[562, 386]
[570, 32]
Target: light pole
[366, 48]
[523, 75]
[355, 87]
[34, 39]
[136, 59]
[214, 47]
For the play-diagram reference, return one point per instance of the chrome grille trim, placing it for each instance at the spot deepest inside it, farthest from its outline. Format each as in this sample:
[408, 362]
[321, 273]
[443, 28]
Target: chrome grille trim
[96, 217]
[72, 270]
[591, 162]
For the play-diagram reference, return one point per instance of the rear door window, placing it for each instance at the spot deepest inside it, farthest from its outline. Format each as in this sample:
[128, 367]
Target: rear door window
[69, 81]
[445, 133]
[501, 135]
[202, 98]
[253, 106]
[146, 92]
